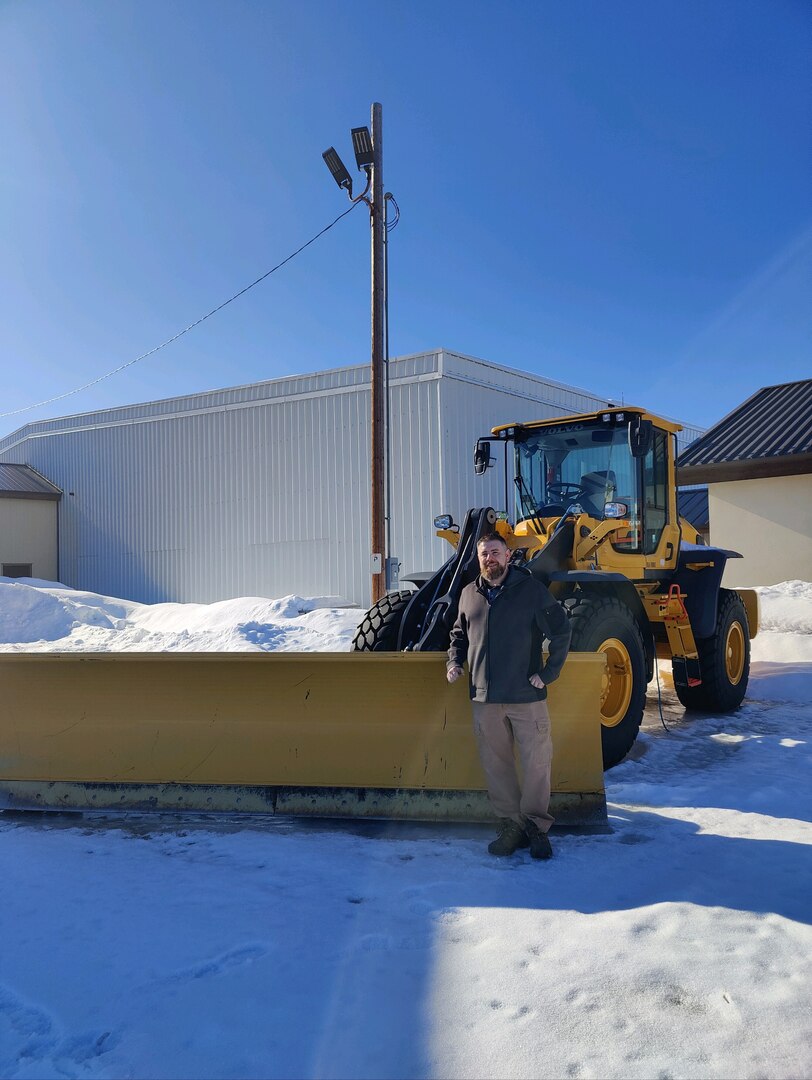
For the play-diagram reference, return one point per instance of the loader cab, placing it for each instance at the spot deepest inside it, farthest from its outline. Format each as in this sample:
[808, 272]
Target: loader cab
[613, 466]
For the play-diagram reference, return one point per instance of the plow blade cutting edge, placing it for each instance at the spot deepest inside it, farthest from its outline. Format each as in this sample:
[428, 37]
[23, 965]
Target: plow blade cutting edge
[322, 734]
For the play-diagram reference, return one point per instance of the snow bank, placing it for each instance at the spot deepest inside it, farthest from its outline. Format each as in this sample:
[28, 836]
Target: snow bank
[46, 616]
[781, 661]
[787, 607]
[27, 614]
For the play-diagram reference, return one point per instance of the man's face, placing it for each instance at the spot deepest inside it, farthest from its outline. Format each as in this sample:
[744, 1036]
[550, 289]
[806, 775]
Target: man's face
[493, 560]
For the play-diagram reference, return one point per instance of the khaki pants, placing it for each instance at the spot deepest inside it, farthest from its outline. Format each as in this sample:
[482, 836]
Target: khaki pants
[496, 726]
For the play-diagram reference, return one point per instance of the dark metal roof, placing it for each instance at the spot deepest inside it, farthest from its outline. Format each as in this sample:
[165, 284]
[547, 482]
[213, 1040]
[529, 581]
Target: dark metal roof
[770, 434]
[692, 504]
[23, 482]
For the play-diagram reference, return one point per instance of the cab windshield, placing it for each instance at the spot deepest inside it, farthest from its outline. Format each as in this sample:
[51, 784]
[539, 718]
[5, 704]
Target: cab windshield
[589, 465]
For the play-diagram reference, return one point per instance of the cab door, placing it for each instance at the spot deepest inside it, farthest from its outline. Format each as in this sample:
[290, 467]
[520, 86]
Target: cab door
[647, 490]
[659, 512]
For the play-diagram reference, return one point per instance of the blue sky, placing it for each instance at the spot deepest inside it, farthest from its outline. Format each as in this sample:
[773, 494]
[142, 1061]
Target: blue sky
[615, 195]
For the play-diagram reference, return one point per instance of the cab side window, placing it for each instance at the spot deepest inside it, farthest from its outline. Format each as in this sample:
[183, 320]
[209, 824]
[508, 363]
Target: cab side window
[655, 492]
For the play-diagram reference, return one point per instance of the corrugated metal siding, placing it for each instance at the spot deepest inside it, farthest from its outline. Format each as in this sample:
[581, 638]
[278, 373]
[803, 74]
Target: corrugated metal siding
[775, 422]
[222, 504]
[264, 489]
[687, 436]
[561, 398]
[416, 474]
[339, 381]
[268, 498]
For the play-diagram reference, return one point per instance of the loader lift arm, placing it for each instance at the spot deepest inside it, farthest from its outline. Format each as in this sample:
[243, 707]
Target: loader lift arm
[421, 621]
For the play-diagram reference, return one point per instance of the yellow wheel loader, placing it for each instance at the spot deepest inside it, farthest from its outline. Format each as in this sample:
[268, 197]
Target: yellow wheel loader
[378, 732]
[594, 506]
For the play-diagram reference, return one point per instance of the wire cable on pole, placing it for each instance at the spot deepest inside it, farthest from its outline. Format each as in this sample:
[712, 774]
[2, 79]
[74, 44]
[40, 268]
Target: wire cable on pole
[390, 225]
[191, 326]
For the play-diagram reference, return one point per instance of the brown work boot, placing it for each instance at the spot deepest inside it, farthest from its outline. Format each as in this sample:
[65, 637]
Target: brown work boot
[539, 842]
[511, 836]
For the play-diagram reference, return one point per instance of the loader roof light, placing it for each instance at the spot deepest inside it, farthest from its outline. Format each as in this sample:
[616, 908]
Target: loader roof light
[443, 521]
[362, 145]
[338, 170]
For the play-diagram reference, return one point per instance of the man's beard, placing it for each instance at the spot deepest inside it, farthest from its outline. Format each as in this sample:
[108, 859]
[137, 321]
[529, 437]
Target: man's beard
[493, 573]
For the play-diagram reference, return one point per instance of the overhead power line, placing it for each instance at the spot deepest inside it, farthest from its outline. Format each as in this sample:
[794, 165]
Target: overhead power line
[191, 326]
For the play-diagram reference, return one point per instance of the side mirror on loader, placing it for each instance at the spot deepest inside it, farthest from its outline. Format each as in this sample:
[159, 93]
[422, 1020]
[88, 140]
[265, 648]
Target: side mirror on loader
[641, 433]
[482, 456]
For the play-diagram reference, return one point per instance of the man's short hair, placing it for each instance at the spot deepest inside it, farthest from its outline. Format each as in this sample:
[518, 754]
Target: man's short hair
[490, 537]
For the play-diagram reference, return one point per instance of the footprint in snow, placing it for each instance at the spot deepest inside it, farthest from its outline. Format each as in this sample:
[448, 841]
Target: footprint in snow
[218, 965]
[30, 1039]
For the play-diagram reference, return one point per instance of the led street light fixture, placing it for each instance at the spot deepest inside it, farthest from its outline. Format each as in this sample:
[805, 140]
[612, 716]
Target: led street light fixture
[338, 169]
[362, 145]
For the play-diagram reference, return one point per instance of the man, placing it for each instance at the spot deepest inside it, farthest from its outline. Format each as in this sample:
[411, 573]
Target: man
[503, 617]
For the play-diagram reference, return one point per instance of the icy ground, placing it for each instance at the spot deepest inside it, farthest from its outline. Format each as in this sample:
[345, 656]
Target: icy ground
[678, 945]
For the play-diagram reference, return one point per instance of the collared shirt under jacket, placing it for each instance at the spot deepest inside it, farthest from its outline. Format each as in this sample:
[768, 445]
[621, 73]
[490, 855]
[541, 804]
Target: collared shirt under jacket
[502, 640]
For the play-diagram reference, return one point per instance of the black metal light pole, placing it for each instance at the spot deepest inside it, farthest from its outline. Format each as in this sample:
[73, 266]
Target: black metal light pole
[369, 158]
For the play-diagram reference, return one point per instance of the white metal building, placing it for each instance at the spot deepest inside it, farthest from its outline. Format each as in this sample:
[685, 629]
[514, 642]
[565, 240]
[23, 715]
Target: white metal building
[264, 489]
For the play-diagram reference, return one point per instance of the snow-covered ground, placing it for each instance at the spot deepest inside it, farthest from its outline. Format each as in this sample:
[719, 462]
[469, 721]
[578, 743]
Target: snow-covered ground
[678, 945]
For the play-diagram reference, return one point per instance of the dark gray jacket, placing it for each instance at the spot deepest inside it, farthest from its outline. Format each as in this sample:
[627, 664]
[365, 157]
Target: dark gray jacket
[502, 641]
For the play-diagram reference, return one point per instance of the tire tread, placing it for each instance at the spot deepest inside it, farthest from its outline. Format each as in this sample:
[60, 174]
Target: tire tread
[378, 630]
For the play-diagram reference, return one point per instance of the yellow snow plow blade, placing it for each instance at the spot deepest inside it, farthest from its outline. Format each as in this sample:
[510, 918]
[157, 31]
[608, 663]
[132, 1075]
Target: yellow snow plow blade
[324, 734]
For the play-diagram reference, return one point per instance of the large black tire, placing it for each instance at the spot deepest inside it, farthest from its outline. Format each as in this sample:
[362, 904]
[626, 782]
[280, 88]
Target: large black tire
[724, 660]
[378, 630]
[605, 624]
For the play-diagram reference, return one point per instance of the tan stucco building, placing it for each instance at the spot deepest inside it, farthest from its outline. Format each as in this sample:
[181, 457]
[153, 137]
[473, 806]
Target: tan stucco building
[29, 523]
[757, 463]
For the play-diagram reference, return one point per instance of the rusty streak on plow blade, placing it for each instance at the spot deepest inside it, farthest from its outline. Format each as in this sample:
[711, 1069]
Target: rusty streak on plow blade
[325, 734]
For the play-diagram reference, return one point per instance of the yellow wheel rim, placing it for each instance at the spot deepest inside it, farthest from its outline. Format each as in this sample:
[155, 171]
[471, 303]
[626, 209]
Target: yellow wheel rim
[616, 689]
[734, 653]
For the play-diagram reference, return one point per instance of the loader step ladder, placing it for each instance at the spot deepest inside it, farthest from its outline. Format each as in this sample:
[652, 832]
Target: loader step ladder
[684, 653]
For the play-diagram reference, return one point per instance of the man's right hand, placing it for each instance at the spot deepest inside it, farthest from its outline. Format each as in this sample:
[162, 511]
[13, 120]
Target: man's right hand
[453, 673]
